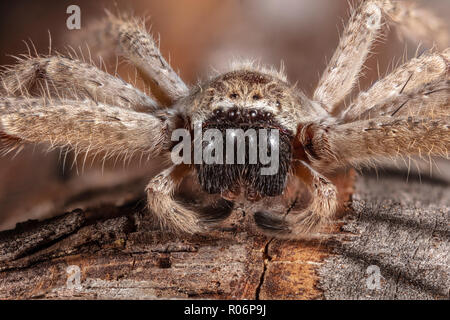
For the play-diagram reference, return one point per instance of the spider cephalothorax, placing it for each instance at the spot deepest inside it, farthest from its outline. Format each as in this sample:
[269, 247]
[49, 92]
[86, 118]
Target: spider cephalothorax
[69, 103]
[261, 93]
[250, 101]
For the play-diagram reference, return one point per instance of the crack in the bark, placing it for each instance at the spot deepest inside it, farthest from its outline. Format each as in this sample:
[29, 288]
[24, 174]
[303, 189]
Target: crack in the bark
[266, 259]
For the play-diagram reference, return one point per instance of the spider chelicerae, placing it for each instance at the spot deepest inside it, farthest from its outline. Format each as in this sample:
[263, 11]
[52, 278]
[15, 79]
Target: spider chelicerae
[69, 103]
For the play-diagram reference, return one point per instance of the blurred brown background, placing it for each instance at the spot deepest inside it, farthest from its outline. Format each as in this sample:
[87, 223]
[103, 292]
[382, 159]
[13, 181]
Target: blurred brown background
[198, 36]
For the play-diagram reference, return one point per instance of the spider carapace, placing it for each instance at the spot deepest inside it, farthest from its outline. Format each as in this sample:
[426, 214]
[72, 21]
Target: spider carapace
[249, 101]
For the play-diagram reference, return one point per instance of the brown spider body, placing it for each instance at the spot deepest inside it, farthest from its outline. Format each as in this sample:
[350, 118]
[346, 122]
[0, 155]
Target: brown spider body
[245, 99]
[68, 103]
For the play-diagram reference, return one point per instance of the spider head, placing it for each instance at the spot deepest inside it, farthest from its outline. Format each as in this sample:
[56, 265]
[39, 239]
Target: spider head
[243, 96]
[247, 111]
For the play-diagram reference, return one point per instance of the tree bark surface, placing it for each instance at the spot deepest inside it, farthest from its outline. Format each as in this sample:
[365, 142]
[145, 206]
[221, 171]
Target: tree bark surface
[400, 229]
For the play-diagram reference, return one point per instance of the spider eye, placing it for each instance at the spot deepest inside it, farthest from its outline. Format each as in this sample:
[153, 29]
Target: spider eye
[233, 95]
[253, 114]
[231, 114]
[268, 115]
[256, 97]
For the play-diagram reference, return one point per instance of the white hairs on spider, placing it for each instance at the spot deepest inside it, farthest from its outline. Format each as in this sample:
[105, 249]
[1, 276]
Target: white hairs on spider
[255, 65]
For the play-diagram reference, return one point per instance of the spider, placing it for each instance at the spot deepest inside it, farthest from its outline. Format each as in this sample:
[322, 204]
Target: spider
[69, 103]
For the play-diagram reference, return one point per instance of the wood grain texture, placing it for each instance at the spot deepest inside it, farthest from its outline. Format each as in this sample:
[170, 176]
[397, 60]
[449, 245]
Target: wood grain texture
[396, 226]
[403, 229]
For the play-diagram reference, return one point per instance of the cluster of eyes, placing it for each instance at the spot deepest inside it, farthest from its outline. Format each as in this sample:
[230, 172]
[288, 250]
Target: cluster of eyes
[242, 114]
[212, 146]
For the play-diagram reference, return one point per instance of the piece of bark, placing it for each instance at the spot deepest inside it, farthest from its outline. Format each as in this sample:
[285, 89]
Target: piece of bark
[403, 230]
[121, 256]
